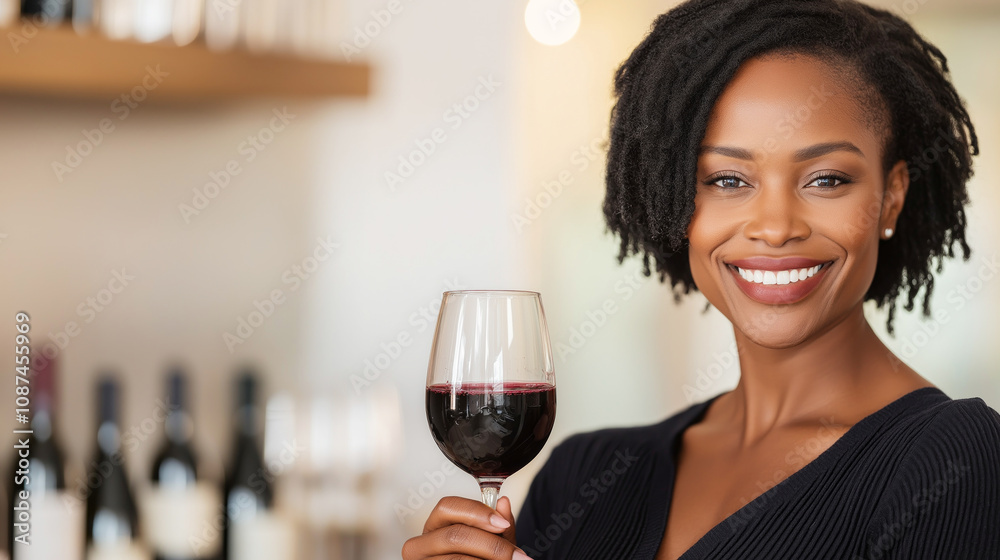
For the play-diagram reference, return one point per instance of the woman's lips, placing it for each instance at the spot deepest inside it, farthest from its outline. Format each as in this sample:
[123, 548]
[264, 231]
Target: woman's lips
[778, 294]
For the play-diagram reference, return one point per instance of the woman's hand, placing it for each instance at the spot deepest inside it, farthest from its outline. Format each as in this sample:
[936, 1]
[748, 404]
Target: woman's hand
[463, 529]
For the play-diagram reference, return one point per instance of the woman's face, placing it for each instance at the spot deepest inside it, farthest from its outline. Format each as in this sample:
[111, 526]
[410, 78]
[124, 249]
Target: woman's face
[791, 200]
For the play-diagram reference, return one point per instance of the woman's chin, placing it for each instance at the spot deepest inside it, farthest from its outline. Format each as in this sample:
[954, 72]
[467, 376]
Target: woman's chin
[775, 332]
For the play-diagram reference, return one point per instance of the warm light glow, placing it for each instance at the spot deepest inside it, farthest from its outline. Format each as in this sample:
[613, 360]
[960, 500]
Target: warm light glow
[552, 22]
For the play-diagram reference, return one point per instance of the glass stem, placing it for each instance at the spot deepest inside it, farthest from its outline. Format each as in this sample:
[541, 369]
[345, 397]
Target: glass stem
[490, 486]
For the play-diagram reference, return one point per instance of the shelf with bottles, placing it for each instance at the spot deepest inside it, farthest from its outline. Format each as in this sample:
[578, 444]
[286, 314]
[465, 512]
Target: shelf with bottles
[302, 479]
[199, 57]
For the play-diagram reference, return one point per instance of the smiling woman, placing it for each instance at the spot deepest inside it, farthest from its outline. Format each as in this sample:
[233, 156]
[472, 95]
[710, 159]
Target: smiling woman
[759, 154]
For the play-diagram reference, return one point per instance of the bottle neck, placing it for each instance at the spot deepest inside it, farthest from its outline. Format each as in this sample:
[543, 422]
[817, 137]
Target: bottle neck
[109, 438]
[246, 421]
[41, 424]
[43, 401]
[108, 432]
[177, 426]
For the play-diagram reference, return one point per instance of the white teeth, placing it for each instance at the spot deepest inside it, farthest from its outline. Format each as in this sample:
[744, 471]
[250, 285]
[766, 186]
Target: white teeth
[768, 277]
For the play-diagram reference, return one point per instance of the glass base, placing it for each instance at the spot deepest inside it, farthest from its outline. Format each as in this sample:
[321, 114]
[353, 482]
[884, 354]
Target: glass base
[490, 487]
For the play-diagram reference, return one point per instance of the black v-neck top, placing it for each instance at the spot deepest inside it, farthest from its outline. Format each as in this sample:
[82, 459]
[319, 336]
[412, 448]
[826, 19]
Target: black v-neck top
[917, 479]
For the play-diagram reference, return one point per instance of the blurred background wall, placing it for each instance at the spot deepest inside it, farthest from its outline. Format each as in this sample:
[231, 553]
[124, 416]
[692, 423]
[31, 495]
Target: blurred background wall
[510, 198]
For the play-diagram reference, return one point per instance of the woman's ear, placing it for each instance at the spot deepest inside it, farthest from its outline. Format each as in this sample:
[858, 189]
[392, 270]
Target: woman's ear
[897, 182]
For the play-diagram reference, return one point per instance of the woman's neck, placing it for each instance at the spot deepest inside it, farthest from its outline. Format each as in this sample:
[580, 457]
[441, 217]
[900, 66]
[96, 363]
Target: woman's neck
[844, 372]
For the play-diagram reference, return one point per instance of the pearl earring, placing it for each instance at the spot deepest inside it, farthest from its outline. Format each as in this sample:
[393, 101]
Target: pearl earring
[888, 232]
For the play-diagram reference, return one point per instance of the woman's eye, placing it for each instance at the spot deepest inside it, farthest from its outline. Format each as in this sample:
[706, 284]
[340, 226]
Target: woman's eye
[827, 182]
[729, 182]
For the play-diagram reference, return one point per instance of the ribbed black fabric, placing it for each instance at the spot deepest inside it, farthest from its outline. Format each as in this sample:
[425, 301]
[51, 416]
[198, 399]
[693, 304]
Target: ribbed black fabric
[918, 479]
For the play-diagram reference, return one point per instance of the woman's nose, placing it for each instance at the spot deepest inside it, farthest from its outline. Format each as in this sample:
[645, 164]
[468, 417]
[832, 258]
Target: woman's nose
[775, 215]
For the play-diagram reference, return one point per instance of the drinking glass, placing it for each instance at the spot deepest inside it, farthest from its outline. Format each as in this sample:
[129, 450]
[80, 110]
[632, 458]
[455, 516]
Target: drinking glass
[491, 385]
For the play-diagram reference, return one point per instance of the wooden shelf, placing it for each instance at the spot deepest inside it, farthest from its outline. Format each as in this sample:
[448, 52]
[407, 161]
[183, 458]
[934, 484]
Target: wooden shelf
[59, 62]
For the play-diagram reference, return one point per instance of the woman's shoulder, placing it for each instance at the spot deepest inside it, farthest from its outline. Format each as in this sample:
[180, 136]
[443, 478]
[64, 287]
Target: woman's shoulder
[951, 446]
[955, 429]
[944, 486]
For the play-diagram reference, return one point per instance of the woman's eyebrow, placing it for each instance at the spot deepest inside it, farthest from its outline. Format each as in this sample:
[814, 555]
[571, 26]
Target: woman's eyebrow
[728, 151]
[818, 150]
[810, 152]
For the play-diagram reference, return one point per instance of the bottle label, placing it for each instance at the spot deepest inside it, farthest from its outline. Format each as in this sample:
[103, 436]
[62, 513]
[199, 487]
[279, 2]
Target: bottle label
[264, 536]
[184, 522]
[121, 551]
[55, 529]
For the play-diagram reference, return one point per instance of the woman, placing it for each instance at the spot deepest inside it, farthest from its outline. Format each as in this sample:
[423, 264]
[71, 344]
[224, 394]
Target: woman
[790, 159]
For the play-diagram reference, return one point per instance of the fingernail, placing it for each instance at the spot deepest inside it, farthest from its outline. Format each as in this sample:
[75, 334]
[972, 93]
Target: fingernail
[499, 522]
[518, 555]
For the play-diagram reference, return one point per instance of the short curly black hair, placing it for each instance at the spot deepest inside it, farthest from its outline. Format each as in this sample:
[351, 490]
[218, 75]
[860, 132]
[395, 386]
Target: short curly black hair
[668, 86]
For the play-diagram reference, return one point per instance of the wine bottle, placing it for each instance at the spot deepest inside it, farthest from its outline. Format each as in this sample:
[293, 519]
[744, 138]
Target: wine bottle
[112, 517]
[248, 492]
[45, 521]
[47, 12]
[180, 519]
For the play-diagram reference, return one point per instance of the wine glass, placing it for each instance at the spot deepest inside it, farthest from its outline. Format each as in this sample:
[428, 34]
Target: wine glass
[491, 386]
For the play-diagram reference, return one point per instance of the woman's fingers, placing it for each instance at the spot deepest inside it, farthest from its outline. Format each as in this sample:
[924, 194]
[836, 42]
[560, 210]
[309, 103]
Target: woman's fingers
[461, 539]
[452, 510]
[463, 557]
[459, 528]
[505, 511]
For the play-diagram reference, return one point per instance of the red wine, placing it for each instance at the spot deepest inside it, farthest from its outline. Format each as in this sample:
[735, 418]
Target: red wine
[490, 433]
